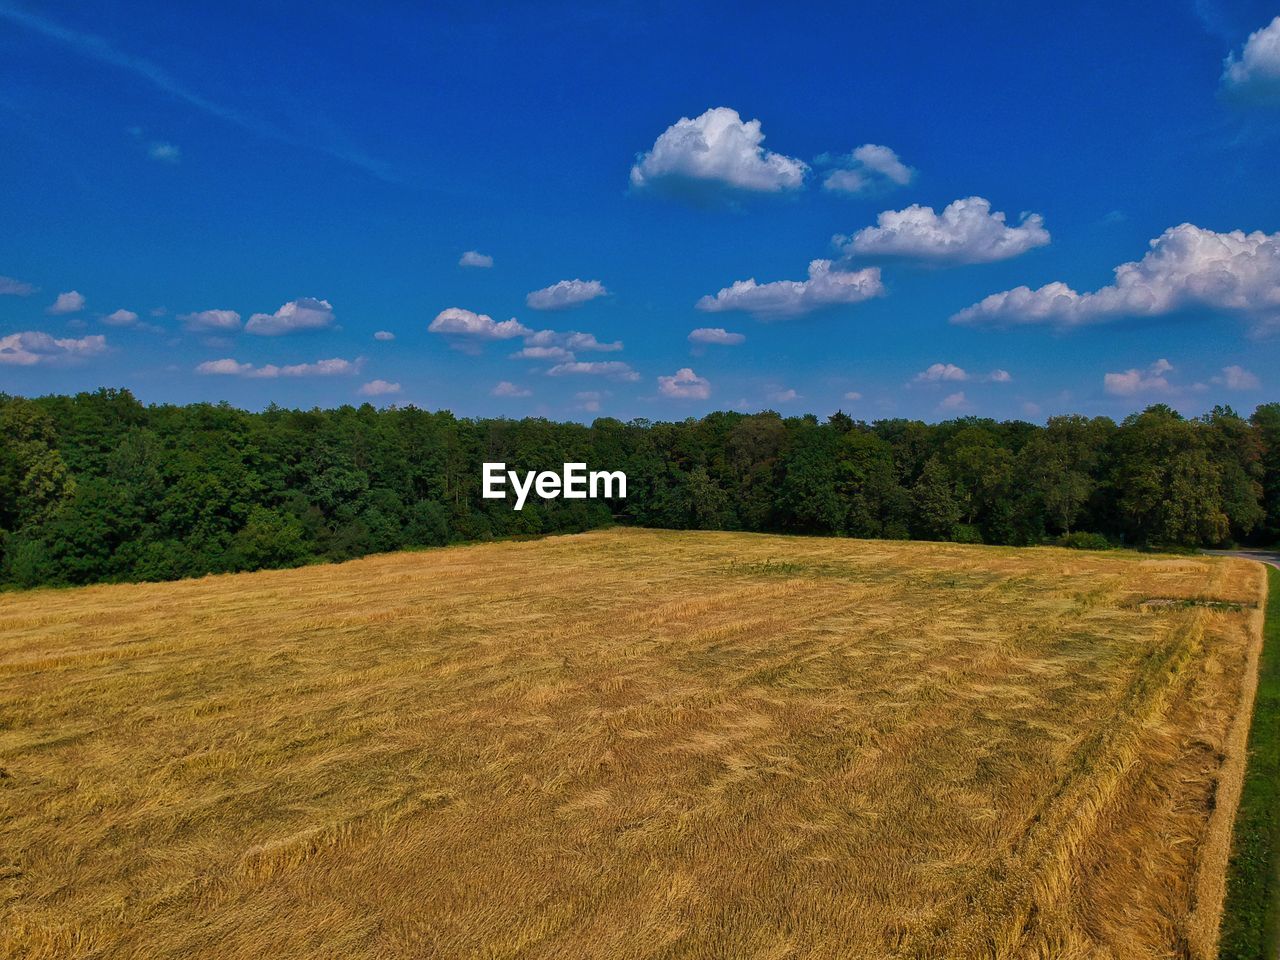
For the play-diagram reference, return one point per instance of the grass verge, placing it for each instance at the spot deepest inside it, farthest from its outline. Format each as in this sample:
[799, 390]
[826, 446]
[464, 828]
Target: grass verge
[1251, 919]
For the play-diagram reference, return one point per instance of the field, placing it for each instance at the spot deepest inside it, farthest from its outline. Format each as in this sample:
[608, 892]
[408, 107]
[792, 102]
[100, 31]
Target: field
[631, 744]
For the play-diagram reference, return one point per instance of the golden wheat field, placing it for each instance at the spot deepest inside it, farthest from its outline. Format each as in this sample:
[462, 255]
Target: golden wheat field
[630, 744]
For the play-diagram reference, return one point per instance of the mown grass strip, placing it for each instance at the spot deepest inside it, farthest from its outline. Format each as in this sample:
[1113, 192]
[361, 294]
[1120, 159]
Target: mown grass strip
[1251, 918]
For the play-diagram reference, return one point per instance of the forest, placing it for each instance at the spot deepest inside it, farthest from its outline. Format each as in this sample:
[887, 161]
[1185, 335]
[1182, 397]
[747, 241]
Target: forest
[99, 487]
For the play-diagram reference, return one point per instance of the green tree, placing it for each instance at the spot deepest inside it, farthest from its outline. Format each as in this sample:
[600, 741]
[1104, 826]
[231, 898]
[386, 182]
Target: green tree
[270, 538]
[1168, 490]
[935, 514]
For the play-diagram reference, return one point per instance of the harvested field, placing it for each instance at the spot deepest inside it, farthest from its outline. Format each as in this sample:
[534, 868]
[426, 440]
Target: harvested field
[630, 744]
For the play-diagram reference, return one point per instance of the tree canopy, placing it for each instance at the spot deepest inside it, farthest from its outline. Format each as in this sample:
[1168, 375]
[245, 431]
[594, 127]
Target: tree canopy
[98, 487]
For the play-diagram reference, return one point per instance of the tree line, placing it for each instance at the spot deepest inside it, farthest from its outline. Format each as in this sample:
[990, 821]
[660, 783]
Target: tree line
[99, 487]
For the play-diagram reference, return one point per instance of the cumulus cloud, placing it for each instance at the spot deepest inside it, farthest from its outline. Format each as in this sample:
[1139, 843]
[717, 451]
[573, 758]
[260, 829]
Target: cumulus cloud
[791, 298]
[716, 150]
[571, 340]
[543, 353]
[15, 288]
[562, 345]
[474, 258]
[1237, 378]
[614, 369]
[210, 321]
[940, 371]
[458, 322]
[966, 231]
[70, 302]
[565, 293]
[684, 384]
[716, 335]
[783, 396]
[954, 401]
[224, 367]
[164, 152]
[120, 318]
[384, 335]
[378, 388]
[1134, 381]
[950, 373]
[508, 389]
[32, 348]
[333, 367]
[1187, 267]
[295, 316]
[1254, 75]
[867, 168]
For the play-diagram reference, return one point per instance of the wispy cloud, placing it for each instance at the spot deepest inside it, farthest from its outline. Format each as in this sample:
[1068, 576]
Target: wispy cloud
[15, 288]
[334, 367]
[164, 151]
[99, 48]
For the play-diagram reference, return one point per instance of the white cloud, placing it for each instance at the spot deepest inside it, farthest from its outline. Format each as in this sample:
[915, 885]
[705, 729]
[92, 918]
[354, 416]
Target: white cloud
[965, 232]
[565, 293]
[941, 371]
[614, 369]
[456, 321]
[589, 400]
[950, 373]
[306, 313]
[1238, 378]
[868, 167]
[1187, 267]
[790, 298]
[853, 395]
[120, 318]
[571, 340]
[378, 388]
[716, 335]
[783, 396]
[211, 321]
[384, 335]
[334, 367]
[70, 302]
[224, 367]
[954, 401]
[588, 341]
[508, 389]
[1133, 381]
[1255, 73]
[562, 345]
[474, 258]
[716, 150]
[684, 384]
[543, 353]
[15, 288]
[165, 152]
[32, 347]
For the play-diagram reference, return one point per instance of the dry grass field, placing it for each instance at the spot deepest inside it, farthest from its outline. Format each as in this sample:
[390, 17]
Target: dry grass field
[630, 744]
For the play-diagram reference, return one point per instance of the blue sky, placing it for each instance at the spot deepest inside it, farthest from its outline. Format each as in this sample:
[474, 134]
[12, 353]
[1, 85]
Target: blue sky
[228, 204]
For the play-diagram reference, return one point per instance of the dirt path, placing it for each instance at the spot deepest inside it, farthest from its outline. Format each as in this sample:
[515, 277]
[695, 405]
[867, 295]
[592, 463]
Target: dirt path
[1262, 556]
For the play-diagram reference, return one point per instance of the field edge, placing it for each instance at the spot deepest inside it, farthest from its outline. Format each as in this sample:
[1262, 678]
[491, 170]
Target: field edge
[1250, 928]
